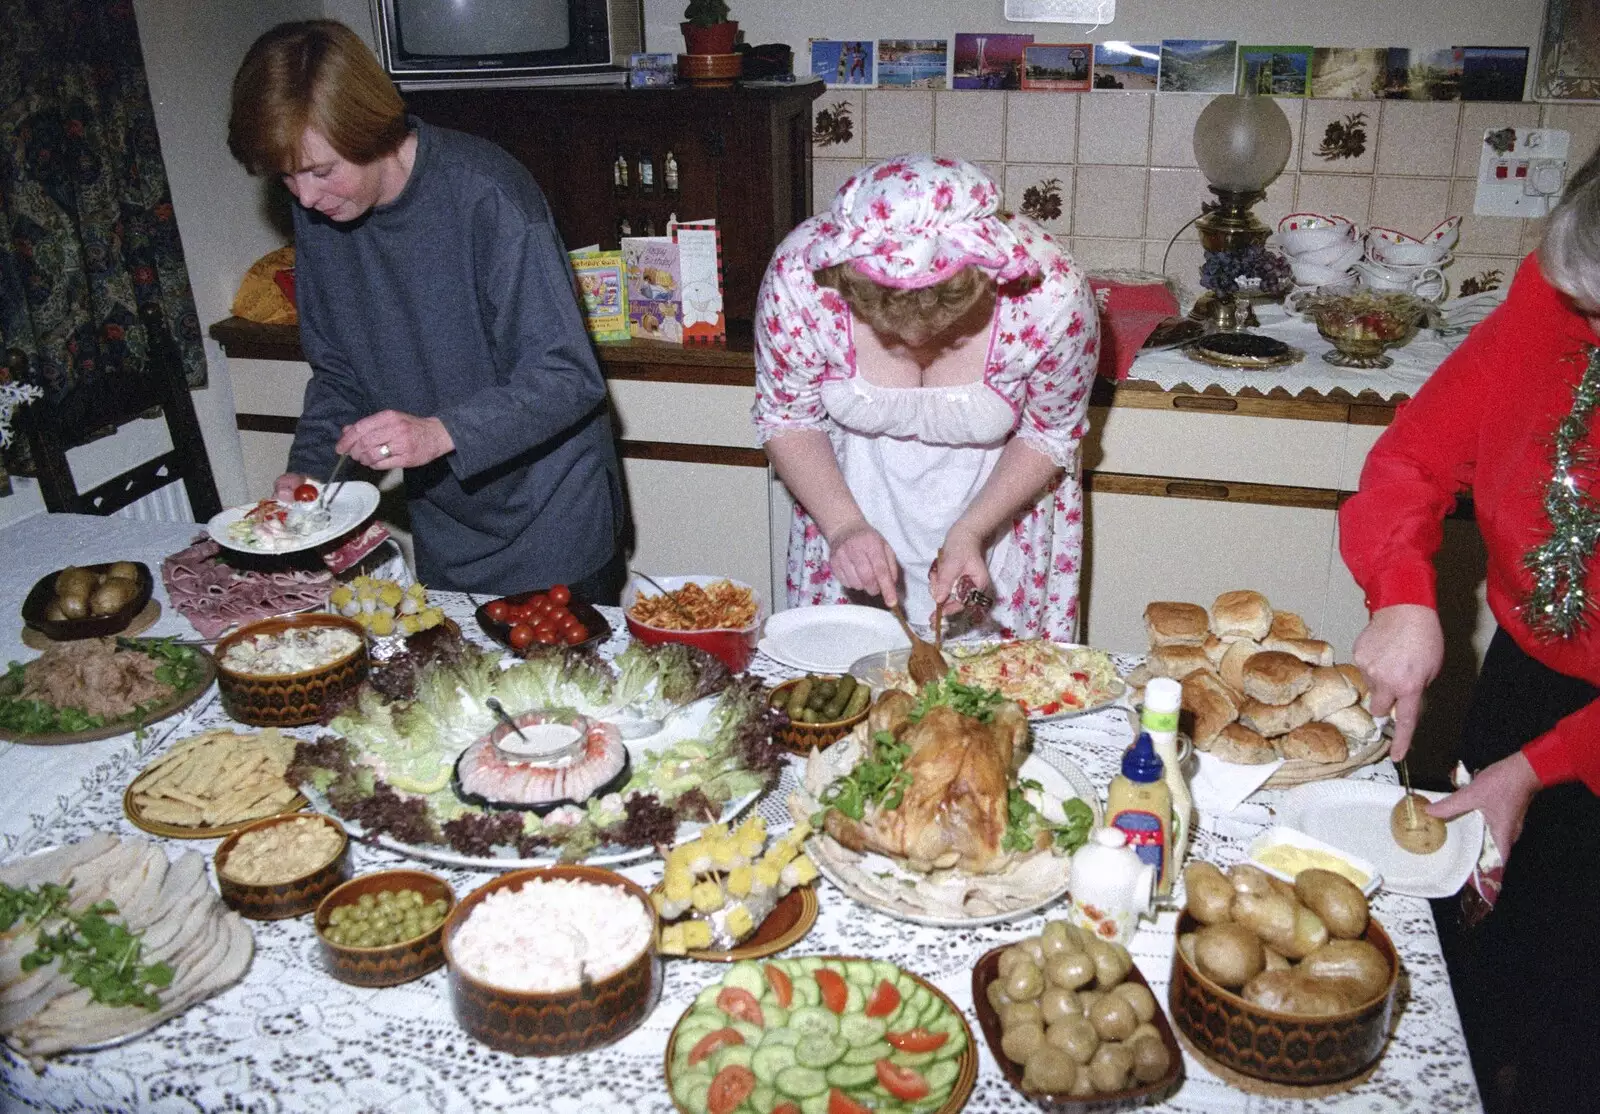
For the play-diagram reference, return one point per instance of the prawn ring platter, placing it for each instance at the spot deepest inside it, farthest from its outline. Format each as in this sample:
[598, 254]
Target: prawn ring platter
[546, 762]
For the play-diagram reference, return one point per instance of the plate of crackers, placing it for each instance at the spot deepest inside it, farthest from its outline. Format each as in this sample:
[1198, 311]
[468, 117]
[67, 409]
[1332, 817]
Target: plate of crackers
[213, 784]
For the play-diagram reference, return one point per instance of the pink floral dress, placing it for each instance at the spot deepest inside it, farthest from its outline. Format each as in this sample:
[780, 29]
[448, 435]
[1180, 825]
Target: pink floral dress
[914, 458]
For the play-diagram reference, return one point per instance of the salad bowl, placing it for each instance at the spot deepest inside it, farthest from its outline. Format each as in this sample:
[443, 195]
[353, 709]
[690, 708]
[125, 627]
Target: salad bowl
[289, 699]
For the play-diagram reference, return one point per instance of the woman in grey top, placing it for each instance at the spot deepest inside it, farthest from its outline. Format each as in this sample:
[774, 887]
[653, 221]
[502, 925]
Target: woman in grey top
[438, 312]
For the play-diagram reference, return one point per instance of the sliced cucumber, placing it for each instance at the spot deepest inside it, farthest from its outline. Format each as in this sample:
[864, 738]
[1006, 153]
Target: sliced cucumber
[750, 1033]
[860, 974]
[818, 1050]
[693, 1092]
[884, 971]
[783, 1035]
[740, 1054]
[774, 1016]
[806, 991]
[859, 1029]
[941, 1074]
[707, 998]
[814, 1019]
[763, 1098]
[801, 1083]
[747, 975]
[690, 1031]
[814, 1104]
[850, 1076]
[955, 1046]
[868, 1053]
[770, 1059]
[911, 1059]
[854, 1001]
[809, 962]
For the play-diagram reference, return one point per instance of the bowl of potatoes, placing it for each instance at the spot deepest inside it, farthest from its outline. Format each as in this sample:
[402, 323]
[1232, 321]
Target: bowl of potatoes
[88, 601]
[1072, 1022]
[1290, 984]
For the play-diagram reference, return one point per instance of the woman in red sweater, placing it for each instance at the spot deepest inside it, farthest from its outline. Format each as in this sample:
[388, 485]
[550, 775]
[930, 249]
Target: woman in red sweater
[1508, 420]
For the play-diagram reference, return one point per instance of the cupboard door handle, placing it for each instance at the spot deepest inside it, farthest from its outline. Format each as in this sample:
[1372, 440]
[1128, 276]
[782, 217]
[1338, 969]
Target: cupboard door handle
[1205, 402]
[1189, 489]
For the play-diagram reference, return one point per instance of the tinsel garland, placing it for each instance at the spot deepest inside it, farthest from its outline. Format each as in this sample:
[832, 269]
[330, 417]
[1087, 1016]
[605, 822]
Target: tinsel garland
[1558, 605]
[13, 395]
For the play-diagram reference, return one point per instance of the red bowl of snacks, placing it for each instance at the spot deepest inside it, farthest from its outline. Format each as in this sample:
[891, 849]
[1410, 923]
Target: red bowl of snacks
[544, 616]
[716, 614]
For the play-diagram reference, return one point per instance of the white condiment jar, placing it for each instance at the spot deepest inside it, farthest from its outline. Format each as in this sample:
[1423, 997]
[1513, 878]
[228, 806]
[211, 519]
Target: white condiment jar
[1111, 886]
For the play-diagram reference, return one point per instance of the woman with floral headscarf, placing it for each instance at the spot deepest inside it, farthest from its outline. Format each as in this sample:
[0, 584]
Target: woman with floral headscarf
[923, 370]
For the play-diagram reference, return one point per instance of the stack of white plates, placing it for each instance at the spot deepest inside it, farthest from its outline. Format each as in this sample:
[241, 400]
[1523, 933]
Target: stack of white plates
[829, 639]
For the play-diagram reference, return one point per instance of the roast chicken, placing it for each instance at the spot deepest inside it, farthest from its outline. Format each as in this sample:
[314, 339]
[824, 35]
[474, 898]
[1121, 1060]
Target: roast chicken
[953, 812]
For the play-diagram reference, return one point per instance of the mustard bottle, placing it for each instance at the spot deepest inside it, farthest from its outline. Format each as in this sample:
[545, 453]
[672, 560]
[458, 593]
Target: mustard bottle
[1139, 803]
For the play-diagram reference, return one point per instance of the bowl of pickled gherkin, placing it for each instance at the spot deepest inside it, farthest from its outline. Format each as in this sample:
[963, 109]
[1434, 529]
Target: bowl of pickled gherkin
[386, 928]
[818, 710]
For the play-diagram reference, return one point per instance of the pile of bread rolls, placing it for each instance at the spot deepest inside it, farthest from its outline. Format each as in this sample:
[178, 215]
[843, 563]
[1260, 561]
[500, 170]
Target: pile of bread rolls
[1256, 685]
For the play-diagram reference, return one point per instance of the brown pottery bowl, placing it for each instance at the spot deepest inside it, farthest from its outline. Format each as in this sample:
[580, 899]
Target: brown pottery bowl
[289, 699]
[554, 1023]
[1280, 1048]
[389, 964]
[277, 901]
[35, 608]
[802, 738]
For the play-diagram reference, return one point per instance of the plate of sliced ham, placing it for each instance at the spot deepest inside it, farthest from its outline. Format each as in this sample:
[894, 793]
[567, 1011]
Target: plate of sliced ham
[216, 596]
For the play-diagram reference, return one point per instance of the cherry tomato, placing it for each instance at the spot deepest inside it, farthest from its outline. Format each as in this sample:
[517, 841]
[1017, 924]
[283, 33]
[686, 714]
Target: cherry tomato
[885, 1000]
[521, 635]
[841, 1103]
[561, 595]
[730, 1088]
[782, 987]
[498, 611]
[905, 1084]
[916, 1040]
[834, 992]
[709, 1043]
[540, 603]
[305, 493]
[521, 613]
[574, 636]
[740, 1005]
[544, 636]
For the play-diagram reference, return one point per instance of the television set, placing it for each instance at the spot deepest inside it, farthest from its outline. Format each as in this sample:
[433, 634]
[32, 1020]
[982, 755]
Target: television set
[461, 44]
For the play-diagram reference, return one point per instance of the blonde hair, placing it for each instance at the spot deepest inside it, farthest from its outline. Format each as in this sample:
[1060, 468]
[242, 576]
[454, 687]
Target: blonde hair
[1569, 252]
[912, 314]
[312, 74]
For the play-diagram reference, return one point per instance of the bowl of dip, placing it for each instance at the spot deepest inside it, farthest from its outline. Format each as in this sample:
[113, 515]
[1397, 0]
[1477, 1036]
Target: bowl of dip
[552, 961]
[282, 866]
[284, 672]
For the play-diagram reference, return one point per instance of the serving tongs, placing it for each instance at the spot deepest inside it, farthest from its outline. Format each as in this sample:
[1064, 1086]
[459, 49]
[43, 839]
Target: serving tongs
[319, 514]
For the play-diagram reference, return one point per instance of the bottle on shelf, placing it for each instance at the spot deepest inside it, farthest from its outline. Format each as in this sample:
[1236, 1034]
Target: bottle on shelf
[1163, 699]
[1139, 803]
[647, 173]
[649, 226]
[669, 173]
[624, 227]
[619, 174]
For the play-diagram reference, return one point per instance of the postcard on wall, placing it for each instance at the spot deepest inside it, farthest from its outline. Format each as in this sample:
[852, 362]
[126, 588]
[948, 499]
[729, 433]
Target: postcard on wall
[1493, 73]
[700, 273]
[1197, 65]
[914, 63]
[1276, 71]
[843, 61]
[1123, 65]
[1348, 73]
[1057, 67]
[655, 308]
[1423, 74]
[988, 61]
[1569, 52]
[603, 293]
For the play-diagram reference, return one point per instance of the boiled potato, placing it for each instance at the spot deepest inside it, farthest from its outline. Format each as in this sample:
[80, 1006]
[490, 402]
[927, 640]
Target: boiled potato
[1075, 1036]
[1021, 1013]
[1275, 961]
[1019, 1043]
[1248, 879]
[1354, 961]
[1186, 946]
[1150, 1058]
[1114, 1018]
[1110, 1068]
[1024, 983]
[1333, 897]
[1057, 1004]
[998, 998]
[74, 581]
[1071, 970]
[1413, 829]
[123, 570]
[112, 596]
[1210, 893]
[1034, 949]
[1229, 955]
[1297, 993]
[1009, 960]
[1145, 1029]
[1281, 922]
[1059, 938]
[1050, 1070]
[1112, 962]
[74, 606]
[53, 611]
[1139, 997]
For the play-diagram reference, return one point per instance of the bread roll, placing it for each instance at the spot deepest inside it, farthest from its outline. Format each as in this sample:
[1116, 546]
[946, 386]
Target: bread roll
[1314, 742]
[1214, 648]
[1311, 650]
[1286, 624]
[1231, 668]
[1209, 706]
[1330, 690]
[1237, 743]
[1274, 677]
[1357, 678]
[1177, 661]
[1244, 613]
[1272, 720]
[1170, 624]
[1356, 724]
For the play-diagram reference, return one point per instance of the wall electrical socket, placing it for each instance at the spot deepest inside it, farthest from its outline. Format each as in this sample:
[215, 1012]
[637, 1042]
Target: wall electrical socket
[1521, 171]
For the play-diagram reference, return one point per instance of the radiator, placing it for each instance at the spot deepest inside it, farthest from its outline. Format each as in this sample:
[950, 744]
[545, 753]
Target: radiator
[167, 504]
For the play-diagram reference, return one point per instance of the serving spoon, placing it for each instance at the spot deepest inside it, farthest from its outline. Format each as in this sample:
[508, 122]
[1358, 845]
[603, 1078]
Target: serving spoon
[504, 716]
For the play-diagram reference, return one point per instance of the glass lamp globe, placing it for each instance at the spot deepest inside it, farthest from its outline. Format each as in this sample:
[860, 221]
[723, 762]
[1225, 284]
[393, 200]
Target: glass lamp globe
[1242, 142]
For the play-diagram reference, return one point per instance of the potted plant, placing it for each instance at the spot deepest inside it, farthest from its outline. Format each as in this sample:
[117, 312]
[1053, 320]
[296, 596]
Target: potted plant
[707, 28]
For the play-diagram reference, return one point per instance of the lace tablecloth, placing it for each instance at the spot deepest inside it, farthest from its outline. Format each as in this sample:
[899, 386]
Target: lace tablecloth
[289, 1038]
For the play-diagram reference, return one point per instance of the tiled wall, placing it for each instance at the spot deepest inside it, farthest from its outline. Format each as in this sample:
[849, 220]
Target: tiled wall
[1117, 170]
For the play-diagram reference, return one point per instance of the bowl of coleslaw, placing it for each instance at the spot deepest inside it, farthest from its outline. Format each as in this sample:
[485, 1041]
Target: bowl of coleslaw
[1048, 679]
[284, 672]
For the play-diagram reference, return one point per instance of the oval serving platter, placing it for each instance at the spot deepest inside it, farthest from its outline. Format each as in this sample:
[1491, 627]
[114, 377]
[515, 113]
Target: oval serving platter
[172, 705]
[784, 927]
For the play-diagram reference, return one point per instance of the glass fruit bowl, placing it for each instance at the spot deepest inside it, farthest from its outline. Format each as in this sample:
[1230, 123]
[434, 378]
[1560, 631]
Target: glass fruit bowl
[1361, 325]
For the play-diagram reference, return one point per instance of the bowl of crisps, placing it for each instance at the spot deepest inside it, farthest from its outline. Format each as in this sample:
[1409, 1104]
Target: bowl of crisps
[716, 614]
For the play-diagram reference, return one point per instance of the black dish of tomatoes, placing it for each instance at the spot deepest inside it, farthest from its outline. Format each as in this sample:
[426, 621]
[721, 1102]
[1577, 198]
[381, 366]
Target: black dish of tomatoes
[542, 617]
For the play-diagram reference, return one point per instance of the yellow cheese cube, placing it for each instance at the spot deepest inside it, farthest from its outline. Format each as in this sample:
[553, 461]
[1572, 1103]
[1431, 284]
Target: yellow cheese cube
[765, 878]
[739, 921]
[696, 934]
[739, 881]
[799, 872]
[672, 939]
[707, 896]
[678, 885]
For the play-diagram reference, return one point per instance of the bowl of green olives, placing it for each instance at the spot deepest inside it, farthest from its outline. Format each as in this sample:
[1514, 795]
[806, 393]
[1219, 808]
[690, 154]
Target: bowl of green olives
[386, 928]
[817, 710]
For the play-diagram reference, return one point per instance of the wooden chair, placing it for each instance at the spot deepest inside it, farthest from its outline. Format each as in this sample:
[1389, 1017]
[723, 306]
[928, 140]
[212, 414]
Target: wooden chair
[86, 412]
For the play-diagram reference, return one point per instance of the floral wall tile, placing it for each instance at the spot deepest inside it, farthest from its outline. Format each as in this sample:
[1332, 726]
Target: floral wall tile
[1098, 254]
[1175, 199]
[1339, 137]
[1042, 127]
[836, 125]
[897, 121]
[1487, 235]
[1583, 122]
[1172, 129]
[1043, 192]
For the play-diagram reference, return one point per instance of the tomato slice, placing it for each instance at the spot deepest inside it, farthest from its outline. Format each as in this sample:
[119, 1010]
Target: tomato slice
[730, 1088]
[916, 1040]
[905, 1084]
[885, 1000]
[841, 1103]
[740, 1005]
[782, 987]
[834, 992]
[786, 1108]
[721, 1038]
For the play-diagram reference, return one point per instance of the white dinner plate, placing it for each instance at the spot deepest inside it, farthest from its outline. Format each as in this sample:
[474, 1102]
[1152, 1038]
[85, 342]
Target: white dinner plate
[1353, 816]
[351, 504]
[829, 638]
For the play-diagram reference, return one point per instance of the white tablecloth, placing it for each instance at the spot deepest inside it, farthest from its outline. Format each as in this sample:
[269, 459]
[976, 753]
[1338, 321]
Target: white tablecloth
[289, 1038]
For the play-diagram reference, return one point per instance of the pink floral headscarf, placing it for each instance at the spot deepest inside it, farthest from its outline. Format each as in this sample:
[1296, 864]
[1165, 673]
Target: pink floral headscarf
[915, 220]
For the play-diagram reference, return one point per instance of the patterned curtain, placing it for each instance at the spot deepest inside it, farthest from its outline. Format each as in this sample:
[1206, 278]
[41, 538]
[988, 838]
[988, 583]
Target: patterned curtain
[90, 231]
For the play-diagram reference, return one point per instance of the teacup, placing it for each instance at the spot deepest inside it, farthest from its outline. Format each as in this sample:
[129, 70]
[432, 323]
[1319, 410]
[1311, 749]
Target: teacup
[1385, 245]
[1425, 282]
[1338, 256]
[1303, 232]
[1313, 274]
